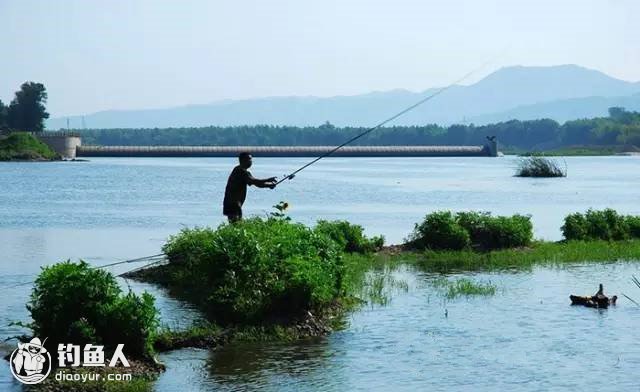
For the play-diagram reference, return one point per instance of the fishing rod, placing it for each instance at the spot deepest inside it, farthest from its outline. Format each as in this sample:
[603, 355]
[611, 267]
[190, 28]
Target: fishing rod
[410, 108]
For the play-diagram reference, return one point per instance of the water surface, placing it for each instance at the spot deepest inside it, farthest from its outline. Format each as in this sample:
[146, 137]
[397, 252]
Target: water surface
[114, 209]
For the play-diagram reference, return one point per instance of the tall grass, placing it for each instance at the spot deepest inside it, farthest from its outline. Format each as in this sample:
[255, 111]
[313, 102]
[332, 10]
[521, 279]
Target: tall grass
[463, 287]
[539, 166]
[539, 253]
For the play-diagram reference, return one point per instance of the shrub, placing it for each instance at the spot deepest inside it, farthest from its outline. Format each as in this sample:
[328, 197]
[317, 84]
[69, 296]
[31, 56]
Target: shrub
[443, 230]
[633, 222]
[349, 237]
[74, 303]
[575, 227]
[255, 269]
[605, 225]
[539, 166]
[440, 230]
[22, 145]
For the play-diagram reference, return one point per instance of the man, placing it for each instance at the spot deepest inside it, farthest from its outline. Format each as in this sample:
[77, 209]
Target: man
[236, 190]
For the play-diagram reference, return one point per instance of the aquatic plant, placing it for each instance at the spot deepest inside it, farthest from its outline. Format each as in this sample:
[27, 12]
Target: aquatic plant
[74, 303]
[349, 237]
[539, 166]
[464, 287]
[255, 269]
[604, 224]
[538, 253]
[379, 284]
[443, 230]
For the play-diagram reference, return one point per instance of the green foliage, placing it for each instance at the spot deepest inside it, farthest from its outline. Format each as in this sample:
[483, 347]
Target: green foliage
[440, 230]
[74, 303]
[4, 116]
[444, 230]
[255, 269]
[280, 211]
[539, 166]
[27, 111]
[539, 253]
[349, 237]
[21, 145]
[514, 134]
[463, 287]
[605, 225]
[488, 232]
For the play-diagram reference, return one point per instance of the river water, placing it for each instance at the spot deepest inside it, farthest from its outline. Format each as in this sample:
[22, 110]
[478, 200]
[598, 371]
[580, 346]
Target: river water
[524, 338]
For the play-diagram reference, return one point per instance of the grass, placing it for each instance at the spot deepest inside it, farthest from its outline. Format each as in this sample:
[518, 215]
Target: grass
[379, 285]
[539, 166]
[463, 287]
[539, 253]
[24, 146]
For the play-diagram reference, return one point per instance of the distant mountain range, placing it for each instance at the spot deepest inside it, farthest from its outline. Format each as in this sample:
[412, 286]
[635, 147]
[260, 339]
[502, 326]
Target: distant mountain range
[562, 93]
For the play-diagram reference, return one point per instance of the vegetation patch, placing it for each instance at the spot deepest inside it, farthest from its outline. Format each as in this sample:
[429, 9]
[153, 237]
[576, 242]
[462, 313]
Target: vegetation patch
[539, 166]
[24, 146]
[538, 253]
[463, 287]
[258, 271]
[443, 230]
[349, 237]
[74, 303]
[601, 225]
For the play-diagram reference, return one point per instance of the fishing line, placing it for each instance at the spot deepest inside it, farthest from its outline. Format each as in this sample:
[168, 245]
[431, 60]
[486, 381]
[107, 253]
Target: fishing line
[410, 108]
[154, 259]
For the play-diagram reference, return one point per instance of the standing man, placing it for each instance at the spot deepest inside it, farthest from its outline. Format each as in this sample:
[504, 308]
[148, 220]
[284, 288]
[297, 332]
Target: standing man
[236, 190]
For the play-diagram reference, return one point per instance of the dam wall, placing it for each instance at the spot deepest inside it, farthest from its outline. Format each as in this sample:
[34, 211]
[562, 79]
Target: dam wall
[287, 151]
[65, 144]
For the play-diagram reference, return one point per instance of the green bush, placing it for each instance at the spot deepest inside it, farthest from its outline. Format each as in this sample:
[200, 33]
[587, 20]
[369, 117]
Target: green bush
[255, 269]
[22, 145]
[440, 230]
[633, 222]
[349, 237]
[604, 224]
[575, 227]
[74, 303]
[443, 230]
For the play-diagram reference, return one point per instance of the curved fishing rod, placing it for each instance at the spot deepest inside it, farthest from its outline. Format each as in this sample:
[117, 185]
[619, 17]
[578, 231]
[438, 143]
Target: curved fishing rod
[415, 105]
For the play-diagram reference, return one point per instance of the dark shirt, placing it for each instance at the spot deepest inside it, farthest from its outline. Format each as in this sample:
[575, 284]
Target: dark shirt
[236, 191]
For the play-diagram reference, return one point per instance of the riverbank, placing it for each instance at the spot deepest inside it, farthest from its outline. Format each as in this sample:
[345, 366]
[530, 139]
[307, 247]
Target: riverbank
[22, 146]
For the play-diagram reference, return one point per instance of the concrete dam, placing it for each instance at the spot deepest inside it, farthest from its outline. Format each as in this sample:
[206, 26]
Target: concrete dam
[286, 151]
[70, 146]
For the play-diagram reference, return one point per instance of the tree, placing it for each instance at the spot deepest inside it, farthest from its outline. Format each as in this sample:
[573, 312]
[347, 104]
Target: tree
[27, 111]
[3, 115]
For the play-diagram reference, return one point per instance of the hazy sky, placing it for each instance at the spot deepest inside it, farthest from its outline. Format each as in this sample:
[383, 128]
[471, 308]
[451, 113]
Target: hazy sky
[128, 54]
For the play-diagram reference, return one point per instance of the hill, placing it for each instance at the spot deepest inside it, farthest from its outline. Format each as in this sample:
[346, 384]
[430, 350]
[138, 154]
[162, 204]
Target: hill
[534, 92]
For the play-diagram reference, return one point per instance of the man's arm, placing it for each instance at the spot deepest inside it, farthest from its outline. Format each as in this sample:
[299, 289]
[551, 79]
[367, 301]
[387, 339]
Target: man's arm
[262, 183]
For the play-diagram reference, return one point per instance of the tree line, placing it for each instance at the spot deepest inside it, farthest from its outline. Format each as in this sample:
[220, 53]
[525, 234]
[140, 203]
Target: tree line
[620, 127]
[27, 111]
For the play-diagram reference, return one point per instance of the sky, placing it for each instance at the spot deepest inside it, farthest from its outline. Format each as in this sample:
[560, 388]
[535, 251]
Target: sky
[95, 55]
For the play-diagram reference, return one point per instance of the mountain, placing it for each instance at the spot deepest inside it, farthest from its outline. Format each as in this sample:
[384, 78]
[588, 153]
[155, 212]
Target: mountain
[559, 92]
[563, 110]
